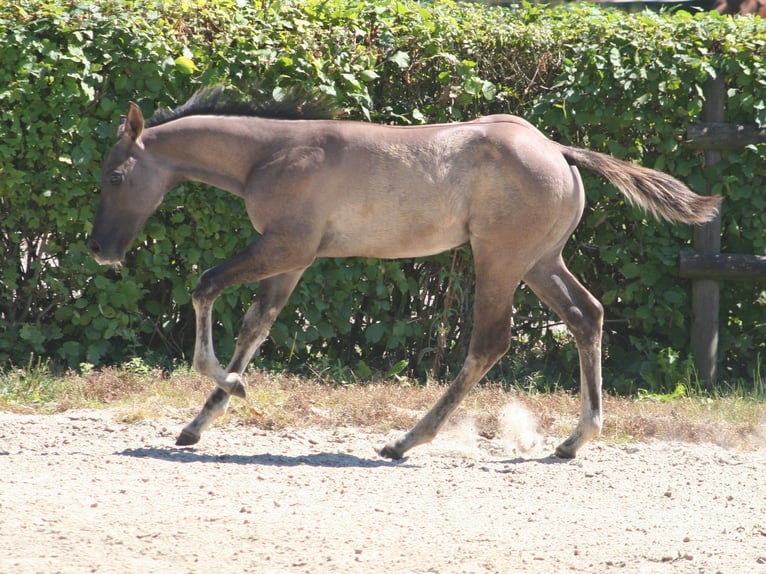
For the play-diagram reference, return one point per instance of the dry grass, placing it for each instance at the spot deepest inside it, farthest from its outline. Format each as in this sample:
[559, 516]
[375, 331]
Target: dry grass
[277, 401]
[729, 421]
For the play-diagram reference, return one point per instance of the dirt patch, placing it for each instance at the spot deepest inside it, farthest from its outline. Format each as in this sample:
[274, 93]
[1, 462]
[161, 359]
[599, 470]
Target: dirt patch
[84, 492]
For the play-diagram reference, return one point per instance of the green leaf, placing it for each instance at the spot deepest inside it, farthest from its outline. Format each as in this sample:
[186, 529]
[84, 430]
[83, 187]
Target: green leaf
[396, 368]
[488, 90]
[34, 335]
[185, 65]
[374, 333]
[401, 59]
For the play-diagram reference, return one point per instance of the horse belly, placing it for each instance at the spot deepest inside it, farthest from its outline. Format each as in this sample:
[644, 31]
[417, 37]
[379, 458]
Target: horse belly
[393, 234]
[403, 199]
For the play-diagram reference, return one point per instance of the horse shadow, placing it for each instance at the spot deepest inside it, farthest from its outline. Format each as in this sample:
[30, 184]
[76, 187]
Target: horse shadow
[323, 459]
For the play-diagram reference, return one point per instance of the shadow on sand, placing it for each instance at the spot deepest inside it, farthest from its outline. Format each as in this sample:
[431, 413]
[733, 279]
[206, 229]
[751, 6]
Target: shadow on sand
[322, 459]
[549, 459]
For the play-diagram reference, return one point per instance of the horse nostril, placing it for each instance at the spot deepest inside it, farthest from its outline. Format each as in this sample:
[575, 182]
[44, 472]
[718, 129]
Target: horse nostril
[94, 246]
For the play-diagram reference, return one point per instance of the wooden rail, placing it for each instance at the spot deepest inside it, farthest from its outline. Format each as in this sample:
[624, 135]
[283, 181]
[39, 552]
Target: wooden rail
[719, 136]
[722, 266]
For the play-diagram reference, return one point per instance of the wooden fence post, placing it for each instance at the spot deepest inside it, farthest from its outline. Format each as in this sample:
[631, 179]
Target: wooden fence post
[707, 240]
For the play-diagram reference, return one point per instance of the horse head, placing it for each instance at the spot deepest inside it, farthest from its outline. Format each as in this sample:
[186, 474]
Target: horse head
[133, 184]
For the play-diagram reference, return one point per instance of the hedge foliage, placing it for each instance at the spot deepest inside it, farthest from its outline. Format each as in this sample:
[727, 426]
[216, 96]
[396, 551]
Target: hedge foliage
[628, 84]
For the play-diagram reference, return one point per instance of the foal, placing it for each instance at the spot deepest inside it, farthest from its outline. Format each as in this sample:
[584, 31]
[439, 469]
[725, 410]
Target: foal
[328, 188]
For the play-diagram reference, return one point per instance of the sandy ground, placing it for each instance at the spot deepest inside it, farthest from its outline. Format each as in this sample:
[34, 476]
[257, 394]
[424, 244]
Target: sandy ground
[83, 492]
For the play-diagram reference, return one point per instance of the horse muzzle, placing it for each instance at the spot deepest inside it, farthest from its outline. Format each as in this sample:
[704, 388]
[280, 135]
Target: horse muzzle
[102, 256]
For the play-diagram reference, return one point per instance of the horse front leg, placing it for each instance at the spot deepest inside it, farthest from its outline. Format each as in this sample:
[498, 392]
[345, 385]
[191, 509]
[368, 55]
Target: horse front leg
[205, 361]
[273, 293]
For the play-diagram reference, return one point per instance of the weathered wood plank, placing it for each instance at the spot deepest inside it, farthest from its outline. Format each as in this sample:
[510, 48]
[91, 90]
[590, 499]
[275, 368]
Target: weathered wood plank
[707, 239]
[721, 266]
[722, 136]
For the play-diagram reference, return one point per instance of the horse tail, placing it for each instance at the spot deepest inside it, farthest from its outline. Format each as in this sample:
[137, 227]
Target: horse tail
[653, 191]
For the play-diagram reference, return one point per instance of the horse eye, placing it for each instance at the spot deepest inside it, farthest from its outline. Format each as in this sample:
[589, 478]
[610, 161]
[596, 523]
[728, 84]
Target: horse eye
[116, 178]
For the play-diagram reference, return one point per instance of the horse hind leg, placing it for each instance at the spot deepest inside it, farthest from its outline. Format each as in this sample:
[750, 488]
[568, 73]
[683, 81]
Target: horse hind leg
[490, 340]
[427, 428]
[272, 295]
[553, 283]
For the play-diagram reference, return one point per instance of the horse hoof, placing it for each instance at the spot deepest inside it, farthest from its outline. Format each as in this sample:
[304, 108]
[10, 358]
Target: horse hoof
[389, 451]
[234, 386]
[238, 390]
[563, 451]
[187, 439]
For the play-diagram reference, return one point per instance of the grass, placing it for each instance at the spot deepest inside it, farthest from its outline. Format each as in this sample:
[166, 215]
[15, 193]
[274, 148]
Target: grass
[278, 401]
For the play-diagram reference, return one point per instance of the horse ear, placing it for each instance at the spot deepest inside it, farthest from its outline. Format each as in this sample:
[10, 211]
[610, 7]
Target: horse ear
[133, 124]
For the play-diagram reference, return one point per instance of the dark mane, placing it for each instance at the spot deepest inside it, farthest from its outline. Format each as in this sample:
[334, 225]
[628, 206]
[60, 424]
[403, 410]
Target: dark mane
[214, 100]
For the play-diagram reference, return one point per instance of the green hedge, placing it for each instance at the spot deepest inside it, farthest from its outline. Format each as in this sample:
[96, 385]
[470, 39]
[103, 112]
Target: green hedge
[628, 84]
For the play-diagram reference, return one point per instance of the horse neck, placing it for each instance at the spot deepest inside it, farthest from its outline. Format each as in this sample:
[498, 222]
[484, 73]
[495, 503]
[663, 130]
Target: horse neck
[219, 151]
